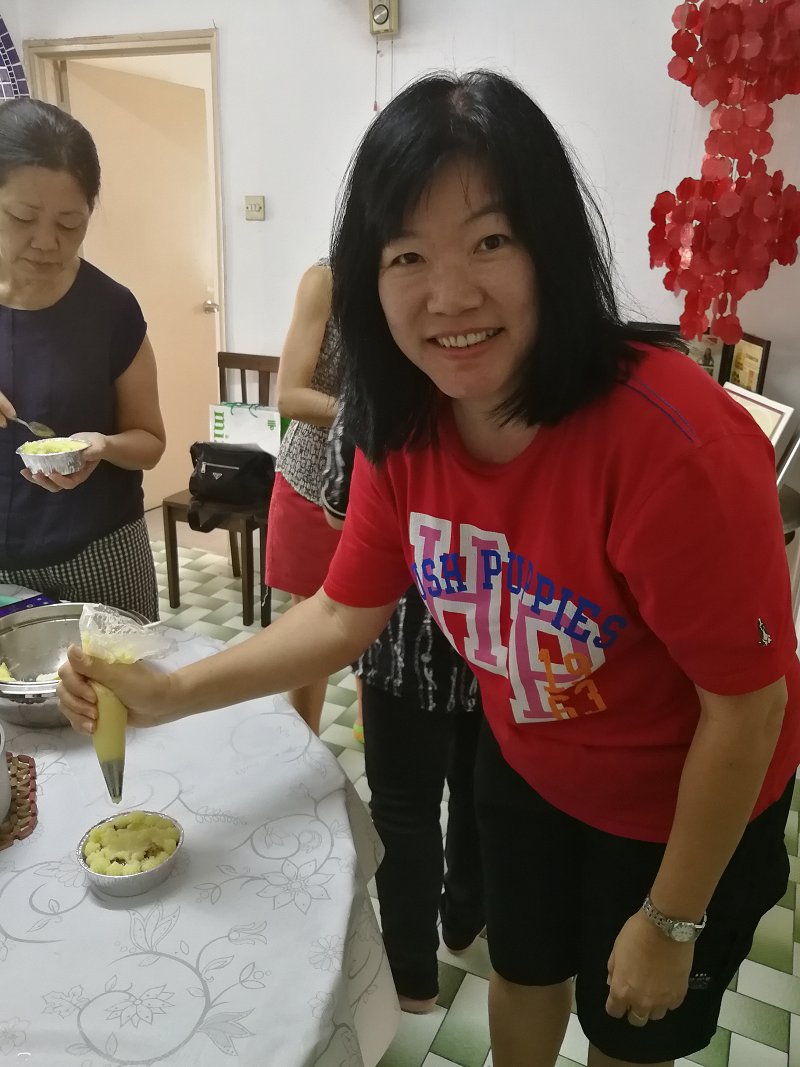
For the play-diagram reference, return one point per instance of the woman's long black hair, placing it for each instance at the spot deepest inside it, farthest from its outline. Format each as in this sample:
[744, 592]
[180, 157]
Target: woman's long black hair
[581, 348]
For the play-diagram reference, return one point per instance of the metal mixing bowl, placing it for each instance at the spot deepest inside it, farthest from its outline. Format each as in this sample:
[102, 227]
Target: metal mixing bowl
[5, 778]
[129, 885]
[35, 642]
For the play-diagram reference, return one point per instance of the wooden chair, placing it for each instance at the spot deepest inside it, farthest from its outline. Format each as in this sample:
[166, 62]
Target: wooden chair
[241, 523]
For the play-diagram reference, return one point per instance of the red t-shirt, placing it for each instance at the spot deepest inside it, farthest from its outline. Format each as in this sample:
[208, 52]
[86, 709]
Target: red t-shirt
[629, 553]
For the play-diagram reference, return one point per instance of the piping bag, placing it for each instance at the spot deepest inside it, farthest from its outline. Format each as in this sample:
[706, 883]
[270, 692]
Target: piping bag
[112, 636]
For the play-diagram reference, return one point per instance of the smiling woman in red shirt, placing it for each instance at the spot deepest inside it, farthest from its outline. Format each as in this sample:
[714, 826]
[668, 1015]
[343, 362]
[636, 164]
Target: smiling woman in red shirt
[594, 525]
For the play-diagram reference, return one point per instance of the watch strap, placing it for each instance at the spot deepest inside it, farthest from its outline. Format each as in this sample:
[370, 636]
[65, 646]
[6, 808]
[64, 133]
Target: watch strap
[667, 925]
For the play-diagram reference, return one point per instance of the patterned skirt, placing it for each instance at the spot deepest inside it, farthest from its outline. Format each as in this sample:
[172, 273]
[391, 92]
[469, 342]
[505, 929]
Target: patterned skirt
[116, 570]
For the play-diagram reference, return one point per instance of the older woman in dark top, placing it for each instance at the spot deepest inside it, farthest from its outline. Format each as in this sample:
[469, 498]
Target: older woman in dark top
[74, 354]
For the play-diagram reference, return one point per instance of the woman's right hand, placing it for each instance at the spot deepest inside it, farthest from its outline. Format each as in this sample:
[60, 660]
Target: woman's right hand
[6, 409]
[143, 690]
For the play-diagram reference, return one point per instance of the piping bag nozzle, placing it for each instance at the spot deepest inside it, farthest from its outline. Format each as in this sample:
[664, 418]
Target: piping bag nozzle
[113, 772]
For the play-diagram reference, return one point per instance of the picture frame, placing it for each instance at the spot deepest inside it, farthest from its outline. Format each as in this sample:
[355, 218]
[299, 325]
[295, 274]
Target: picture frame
[744, 364]
[709, 352]
[748, 362]
[772, 416]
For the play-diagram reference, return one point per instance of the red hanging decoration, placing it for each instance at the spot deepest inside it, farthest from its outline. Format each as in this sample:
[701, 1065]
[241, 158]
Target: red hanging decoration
[718, 234]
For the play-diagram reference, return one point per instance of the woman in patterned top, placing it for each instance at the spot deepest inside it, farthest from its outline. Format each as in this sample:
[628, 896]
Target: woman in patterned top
[300, 543]
[422, 715]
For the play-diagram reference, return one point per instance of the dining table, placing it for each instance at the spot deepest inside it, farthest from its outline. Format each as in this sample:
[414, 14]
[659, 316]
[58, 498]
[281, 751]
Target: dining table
[262, 947]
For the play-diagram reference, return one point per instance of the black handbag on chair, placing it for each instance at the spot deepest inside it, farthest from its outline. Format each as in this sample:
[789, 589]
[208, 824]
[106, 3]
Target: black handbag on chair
[227, 474]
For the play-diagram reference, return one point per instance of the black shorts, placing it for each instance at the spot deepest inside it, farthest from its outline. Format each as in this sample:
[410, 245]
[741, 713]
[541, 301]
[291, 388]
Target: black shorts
[557, 893]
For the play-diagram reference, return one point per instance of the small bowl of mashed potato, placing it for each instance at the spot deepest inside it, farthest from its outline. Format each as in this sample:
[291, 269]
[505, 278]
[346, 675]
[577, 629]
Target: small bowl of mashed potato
[57, 455]
[129, 853]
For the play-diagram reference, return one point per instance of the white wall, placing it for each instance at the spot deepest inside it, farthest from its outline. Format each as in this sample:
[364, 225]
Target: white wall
[9, 13]
[297, 91]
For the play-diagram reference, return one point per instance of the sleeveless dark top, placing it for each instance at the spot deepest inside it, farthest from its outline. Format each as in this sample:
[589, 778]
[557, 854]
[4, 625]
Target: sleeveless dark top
[58, 365]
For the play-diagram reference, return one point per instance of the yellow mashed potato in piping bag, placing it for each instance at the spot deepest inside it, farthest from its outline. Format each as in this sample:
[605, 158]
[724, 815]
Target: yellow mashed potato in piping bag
[109, 635]
[109, 738]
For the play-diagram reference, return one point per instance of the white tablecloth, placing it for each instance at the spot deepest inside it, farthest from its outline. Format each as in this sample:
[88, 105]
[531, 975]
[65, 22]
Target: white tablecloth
[262, 947]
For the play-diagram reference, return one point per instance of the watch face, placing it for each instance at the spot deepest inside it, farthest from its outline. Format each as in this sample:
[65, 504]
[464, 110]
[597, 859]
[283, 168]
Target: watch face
[683, 932]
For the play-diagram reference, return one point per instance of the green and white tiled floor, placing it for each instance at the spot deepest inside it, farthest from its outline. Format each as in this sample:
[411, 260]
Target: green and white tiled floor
[760, 1023]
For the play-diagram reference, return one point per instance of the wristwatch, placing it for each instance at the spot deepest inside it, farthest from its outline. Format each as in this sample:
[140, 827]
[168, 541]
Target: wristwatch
[674, 929]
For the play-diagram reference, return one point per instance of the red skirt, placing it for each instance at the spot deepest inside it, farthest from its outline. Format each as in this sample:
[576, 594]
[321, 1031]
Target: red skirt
[300, 543]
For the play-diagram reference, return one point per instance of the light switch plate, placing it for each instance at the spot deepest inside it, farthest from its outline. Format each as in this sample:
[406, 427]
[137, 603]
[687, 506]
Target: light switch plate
[254, 208]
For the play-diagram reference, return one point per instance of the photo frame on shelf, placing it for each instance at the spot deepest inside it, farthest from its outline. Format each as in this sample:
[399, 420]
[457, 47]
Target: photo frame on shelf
[748, 362]
[709, 352]
[744, 364]
[712, 355]
[772, 416]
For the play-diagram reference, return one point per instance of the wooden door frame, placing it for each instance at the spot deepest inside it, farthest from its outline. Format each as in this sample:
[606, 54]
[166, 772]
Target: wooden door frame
[45, 65]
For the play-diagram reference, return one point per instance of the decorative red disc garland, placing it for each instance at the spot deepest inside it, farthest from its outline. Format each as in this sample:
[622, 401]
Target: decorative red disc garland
[718, 234]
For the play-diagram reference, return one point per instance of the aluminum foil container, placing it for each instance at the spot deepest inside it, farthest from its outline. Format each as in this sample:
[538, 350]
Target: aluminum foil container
[69, 462]
[128, 885]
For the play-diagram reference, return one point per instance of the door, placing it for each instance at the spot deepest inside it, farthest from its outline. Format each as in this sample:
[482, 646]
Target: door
[155, 227]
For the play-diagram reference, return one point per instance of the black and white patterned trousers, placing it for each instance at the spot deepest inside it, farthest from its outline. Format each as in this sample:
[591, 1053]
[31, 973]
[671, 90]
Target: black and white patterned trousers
[116, 570]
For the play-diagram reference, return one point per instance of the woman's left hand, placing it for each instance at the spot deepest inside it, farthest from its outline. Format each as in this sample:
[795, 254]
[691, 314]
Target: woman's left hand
[92, 455]
[98, 443]
[648, 974]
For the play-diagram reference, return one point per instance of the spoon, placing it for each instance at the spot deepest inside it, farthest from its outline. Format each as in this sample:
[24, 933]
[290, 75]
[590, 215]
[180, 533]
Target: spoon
[38, 429]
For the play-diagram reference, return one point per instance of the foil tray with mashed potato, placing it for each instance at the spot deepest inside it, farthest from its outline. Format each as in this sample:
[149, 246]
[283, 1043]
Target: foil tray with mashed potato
[57, 455]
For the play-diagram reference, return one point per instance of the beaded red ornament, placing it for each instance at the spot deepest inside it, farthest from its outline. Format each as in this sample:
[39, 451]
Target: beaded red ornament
[718, 234]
